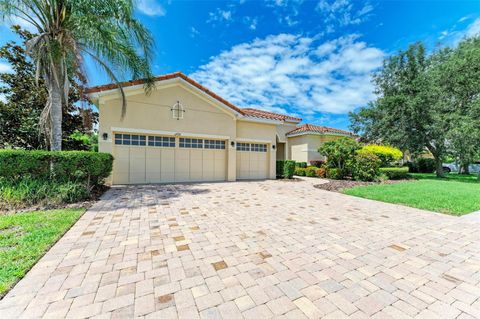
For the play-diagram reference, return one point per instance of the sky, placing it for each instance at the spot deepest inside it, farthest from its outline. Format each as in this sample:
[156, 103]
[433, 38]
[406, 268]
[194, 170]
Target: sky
[312, 59]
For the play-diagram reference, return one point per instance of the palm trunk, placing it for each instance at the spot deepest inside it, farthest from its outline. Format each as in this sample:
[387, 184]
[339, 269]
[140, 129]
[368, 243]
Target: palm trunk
[55, 93]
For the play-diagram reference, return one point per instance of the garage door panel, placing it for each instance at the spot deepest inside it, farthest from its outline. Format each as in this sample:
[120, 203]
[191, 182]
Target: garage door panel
[220, 165]
[137, 165]
[208, 165]
[182, 165]
[196, 165]
[152, 165]
[167, 165]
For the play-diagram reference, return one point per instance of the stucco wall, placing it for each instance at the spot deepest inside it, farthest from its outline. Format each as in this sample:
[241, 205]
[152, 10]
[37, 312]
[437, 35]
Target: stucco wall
[304, 148]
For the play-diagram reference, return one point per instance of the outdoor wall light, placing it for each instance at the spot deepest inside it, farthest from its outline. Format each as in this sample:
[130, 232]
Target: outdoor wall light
[232, 143]
[273, 146]
[105, 136]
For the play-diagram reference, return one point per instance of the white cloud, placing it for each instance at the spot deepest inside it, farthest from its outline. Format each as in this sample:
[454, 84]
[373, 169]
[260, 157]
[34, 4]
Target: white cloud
[25, 25]
[342, 13]
[251, 22]
[473, 29]
[3, 98]
[151, 8]
[294, 72]
[219, 15]
[194, 32]
[5, 67]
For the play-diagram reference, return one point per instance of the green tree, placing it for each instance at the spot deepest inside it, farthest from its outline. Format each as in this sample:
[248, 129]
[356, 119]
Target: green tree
[20, 113]
[410, 112]
[340, 153]
[68, 31]
[459, 78]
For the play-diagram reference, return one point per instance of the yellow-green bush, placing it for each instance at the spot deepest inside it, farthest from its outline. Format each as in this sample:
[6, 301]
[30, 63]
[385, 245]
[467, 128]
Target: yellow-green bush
[386, 154]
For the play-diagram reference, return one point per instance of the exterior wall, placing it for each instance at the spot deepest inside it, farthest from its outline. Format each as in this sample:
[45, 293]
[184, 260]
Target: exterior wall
[304, 148]
[153, 113]
[283, 129]
[280, 151]
[259, 133]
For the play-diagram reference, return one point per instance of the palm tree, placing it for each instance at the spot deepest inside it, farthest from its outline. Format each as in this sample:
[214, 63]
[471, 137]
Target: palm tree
[68, 31]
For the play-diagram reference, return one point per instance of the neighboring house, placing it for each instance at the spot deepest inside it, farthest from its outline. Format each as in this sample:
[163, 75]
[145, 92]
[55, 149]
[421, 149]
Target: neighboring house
[183, 132]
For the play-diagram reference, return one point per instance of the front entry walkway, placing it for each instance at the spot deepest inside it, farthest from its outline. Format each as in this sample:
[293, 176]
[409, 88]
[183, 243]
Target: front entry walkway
[254, 250]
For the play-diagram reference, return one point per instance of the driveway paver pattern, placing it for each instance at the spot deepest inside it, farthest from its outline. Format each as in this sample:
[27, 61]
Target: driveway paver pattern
[268, 249]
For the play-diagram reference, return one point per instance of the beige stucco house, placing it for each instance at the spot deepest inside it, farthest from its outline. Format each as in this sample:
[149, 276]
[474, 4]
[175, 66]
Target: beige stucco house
[183, 132]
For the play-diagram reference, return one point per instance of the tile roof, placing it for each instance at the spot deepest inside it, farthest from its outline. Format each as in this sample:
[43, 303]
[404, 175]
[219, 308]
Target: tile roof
[310, 128]
[249, 112]
[269, 115]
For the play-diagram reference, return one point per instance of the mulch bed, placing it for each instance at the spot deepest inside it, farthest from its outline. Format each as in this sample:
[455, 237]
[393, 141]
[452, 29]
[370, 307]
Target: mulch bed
[339, 185]
[96, 194]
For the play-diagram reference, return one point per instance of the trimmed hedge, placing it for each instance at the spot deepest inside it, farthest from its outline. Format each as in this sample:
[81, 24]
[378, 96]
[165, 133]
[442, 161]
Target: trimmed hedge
[395, 172]
[300, 171]
[279, 168]
[334, 173]
[301, 164]
[87, 168]
[422, 165]
[311, 171]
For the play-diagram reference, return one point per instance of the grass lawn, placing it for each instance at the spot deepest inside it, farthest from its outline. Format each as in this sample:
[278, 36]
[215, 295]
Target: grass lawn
[455, 194]
[25, 237]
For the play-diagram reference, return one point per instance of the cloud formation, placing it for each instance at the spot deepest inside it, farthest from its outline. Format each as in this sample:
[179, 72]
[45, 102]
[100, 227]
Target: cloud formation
[151, 8]
[295, 73]
[5, 67]
[219, 15]
[342, 13]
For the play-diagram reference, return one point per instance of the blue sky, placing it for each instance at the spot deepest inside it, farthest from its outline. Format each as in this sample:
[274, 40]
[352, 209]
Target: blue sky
[313, 59]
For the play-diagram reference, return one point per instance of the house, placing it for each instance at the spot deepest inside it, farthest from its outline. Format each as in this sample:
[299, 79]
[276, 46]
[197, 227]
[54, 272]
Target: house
[183, 132]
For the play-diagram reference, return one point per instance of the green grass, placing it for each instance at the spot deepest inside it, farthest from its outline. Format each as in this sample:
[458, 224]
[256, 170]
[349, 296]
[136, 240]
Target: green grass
[455, 194]
[25, 237]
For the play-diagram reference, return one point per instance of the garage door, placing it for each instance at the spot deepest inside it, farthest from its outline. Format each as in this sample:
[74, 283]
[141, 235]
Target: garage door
[252, 161]
[165, 159]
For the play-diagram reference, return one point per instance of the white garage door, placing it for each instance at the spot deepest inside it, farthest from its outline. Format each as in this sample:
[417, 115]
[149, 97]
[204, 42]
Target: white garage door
[165, 159]
[252, 161]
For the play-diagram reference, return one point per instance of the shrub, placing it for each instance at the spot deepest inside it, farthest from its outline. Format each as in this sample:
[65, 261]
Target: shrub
[334, 173]
[86, 168]
[317, 163]
[320, 172]
[386, 154]
[27, 191]
[300, 171]
[395, 172]
[288, 169]
[422, 165]
[366, 167]
[301, 164]
[310, 171]
[340, 153]
[280, 168]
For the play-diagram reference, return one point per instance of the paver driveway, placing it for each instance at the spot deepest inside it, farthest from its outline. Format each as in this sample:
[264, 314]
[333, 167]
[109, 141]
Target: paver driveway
[257, 250]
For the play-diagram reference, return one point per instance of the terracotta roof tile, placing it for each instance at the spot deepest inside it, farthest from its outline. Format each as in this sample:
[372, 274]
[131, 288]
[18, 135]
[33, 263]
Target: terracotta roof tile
[269, 115]
[310, 128]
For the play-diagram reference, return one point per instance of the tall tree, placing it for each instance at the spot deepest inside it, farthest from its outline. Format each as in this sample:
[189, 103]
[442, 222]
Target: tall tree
[106, 31]
[20, 113]
[459, 78]
[408, 112]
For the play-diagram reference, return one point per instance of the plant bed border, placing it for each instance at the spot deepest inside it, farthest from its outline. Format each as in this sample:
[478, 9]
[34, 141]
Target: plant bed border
[338, 185]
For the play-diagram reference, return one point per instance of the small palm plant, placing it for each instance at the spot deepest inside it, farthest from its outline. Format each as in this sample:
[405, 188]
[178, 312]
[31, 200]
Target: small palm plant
[68, 31]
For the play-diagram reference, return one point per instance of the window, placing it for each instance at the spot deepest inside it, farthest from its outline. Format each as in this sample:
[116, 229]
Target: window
[130, 139]
[258, 147]
[214, 144]
[243, 147]
[161, 141]
[191, 143]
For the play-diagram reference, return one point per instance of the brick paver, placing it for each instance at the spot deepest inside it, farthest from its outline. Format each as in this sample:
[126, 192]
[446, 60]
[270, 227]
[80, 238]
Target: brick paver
[254, 250]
